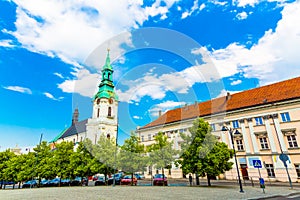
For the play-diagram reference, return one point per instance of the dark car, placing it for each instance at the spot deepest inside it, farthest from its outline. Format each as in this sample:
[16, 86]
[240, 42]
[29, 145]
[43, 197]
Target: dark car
[54, 182]
[44, 183]
[30, 184]
[117, 178]
[65, 182]
[126, 180]
[160, 179]
[78, 181]
[100, 181]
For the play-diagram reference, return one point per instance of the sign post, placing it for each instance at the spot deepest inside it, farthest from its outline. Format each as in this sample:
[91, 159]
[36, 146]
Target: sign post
[257, 164]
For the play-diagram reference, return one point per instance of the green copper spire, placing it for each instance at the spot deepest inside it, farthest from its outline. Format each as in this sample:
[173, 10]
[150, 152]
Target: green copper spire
[106, 87]
[107, 62]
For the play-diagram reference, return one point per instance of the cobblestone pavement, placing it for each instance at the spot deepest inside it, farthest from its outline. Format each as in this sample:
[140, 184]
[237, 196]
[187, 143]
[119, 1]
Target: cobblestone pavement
[145, 192]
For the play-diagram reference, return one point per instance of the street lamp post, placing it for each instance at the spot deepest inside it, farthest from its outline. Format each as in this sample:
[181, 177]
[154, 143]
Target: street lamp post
[224, 128]
[283, 157]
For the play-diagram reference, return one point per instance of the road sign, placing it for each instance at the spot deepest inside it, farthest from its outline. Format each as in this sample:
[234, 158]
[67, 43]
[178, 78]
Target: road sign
[257, 163]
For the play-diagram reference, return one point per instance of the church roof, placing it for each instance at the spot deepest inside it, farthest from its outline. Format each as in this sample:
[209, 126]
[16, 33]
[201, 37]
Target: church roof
[78, 127]
[281, 91]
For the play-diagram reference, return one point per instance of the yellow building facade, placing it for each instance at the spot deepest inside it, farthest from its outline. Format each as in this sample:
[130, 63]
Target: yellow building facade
[265, 123]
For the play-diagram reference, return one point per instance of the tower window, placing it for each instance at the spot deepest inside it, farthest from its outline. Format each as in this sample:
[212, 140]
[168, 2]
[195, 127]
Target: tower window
[108, 136]
[108, 77]
[98, 112]
[109, 112]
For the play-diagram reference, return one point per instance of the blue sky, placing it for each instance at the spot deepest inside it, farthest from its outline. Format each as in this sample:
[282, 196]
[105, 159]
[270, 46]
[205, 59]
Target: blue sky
[165, 53]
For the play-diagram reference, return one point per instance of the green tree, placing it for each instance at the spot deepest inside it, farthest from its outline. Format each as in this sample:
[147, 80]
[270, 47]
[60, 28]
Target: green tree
[106, 152]
[132, 157]
[43, 166]
[81, 161]
[62, 159]
[202, 153]
[5, 156]
[162, 153]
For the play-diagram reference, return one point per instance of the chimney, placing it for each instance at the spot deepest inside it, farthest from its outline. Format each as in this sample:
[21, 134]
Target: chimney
[159, 113]
[75, 116]
[228, 96]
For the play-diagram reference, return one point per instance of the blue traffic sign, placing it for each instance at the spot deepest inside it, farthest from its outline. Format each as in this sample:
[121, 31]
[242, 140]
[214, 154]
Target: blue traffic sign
[257, 163]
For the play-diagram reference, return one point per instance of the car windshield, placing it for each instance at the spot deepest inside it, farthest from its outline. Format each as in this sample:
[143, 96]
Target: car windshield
[127, 177]
[159, 176]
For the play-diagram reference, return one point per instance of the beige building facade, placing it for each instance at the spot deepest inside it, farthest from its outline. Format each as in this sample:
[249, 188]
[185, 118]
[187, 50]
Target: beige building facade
[265, 123]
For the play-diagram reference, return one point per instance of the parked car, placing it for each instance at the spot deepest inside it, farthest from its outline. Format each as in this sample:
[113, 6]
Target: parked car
[44, 183]
[54, 182]
[160, 179]
[30, 184]
[65, 182]
[139, 176]
[117, 178]
[78, 181]
[126, 180]
[100, 181]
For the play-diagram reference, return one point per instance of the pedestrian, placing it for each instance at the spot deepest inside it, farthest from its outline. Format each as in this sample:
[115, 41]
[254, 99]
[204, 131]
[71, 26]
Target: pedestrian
[190, 179]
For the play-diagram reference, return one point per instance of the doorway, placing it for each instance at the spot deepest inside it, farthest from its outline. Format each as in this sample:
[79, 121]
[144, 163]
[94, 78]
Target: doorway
[244, 171]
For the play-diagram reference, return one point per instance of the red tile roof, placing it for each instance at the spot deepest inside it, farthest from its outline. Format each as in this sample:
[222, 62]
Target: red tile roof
[285, 90]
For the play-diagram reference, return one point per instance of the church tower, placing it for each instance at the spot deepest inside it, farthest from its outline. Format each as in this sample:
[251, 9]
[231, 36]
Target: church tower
[104, 119]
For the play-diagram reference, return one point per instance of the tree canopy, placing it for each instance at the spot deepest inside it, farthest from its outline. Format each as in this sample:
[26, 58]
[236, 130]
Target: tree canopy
[202, 153]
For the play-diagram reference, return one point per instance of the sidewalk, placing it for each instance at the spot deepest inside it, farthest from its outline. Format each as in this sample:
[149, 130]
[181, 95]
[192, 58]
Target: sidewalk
[147, 192]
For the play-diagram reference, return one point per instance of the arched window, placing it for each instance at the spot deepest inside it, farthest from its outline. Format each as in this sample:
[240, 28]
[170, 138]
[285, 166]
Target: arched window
[109, 112]
[108, 136]
[108, 76]
[98, 112]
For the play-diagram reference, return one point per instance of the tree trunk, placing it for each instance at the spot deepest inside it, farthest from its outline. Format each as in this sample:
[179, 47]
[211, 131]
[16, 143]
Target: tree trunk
[208, 180]
[19, 185]
[132, 179]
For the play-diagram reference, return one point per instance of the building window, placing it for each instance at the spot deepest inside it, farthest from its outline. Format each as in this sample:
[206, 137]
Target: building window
[235, 124]
[259, 121]
[213, 127]
[292, 141]
[149, 136]
[142, 138]
[297, 167]
[270, 170]
[239, 144]
[109, 112]
[264, 143]
[285, 117]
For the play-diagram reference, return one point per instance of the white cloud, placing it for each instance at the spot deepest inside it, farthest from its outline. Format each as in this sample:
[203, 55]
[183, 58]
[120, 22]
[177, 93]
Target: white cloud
[236, 82]
[164, 107]
[58, 75]
[71, 29]
[84, 84]
[137, 117]
[50, 96]
[241, 16]
[275, 56]
[6, 43]
[19, 89]
[192, 10]
[243, 3]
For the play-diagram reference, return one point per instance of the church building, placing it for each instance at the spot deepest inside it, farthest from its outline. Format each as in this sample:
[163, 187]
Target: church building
[104, 116]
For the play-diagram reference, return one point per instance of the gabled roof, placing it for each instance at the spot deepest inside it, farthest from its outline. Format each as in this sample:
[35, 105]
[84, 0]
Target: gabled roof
[58, 136]
[78, 127]
[281, 91]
